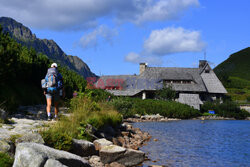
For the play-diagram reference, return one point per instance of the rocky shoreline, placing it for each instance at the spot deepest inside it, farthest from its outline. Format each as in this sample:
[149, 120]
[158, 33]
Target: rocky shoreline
[117, 147]
[111, 148]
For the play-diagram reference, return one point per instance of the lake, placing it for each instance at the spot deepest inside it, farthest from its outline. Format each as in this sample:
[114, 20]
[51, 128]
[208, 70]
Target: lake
[198, 143]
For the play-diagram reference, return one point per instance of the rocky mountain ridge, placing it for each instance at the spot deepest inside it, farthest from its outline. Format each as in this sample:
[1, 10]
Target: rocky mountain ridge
[24, 35]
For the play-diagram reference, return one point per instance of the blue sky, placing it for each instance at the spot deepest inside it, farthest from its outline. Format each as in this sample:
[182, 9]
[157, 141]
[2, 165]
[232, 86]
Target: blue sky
[113, 36]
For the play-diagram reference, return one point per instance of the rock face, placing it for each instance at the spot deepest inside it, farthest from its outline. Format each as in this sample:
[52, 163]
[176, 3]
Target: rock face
[24, 36]
[83, 148]
[38, 155]
[127, 157]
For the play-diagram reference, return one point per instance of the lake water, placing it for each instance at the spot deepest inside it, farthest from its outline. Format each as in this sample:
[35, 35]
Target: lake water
[198, 143]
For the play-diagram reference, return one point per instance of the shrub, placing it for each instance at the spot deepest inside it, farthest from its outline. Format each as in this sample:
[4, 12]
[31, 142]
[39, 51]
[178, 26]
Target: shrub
[166, 93]
[124, 106]
[6, 160]
[128, 107]
[97, 95]
[227, 109]
[57, 140]
[248, 98]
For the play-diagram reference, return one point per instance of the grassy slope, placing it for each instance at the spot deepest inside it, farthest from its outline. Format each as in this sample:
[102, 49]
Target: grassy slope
[236, 65]
[235, 74]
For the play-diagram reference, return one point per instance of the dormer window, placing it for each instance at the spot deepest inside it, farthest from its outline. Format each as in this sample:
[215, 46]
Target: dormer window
[177, 82]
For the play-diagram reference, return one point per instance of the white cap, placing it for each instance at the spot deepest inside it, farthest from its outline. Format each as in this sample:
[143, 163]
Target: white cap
[54, 65]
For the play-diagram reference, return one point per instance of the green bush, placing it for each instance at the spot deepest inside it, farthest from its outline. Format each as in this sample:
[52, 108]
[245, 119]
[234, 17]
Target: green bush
[227, 109]
[124, 106]
[128, 107]
[57, 139]
[166, 93]
[248, 98]
[97, 95]
[6, 160]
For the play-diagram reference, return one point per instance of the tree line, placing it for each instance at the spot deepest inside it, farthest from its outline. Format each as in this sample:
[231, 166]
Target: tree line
[21, 71]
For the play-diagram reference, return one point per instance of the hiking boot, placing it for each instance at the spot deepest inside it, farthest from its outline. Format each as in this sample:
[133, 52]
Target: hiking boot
[49, 118]
[55, 119]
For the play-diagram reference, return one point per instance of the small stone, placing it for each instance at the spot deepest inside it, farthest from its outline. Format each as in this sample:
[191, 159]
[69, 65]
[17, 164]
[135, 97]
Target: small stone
[124, 133]
[115, 164]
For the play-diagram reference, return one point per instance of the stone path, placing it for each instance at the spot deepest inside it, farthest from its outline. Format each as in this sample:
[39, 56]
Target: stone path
[27, 119]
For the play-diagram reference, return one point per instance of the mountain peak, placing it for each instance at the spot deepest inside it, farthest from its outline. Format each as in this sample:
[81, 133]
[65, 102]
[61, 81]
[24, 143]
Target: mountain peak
[23, 35]
[16, 29]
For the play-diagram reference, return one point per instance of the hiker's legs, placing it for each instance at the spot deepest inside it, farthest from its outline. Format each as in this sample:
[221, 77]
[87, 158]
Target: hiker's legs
[48, 108]
[56, 109]
[56, 103]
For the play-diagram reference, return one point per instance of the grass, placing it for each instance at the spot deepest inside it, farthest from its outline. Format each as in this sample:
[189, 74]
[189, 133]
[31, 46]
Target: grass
[5, 160]
[83, 111]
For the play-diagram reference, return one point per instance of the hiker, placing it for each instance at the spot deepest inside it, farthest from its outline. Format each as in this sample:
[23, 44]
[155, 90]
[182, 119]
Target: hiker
[54, 90]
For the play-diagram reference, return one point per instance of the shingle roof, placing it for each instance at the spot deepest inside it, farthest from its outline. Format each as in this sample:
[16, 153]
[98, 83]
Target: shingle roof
[212, 83]
[159, 73]
[152, 77]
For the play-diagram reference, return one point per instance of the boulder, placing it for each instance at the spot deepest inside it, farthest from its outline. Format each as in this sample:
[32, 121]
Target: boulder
[99, 143]
[36, 155]
[132, 157]
[126, 157]
[83, 148]
[30, 137]
[111, 153]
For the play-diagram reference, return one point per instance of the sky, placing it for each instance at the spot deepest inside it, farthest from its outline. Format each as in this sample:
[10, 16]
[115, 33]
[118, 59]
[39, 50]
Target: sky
[114, 36]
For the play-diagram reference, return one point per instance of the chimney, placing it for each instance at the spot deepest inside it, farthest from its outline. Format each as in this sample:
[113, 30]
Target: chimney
[143, 66]
[202, 63]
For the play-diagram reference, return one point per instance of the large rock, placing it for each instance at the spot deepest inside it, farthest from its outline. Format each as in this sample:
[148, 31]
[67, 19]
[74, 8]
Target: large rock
[83, 148]
[111, 153]
[99, 143]
[36, 155]
[30, 137]
[132, 157]
[127, 157]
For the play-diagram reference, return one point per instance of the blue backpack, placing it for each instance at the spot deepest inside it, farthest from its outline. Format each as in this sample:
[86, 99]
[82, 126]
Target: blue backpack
[53, 81]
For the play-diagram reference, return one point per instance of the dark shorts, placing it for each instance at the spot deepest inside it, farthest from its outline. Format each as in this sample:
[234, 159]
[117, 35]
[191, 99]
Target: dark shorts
[55, 97]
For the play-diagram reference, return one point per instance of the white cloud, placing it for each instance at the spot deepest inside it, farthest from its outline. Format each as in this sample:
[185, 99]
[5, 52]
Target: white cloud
[167, 41]
[93, 38]
[140, 58]
[173, 40]
[151, 10]
[78, 14]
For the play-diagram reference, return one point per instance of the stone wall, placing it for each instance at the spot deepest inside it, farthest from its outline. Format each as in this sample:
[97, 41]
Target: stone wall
[192, 100]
